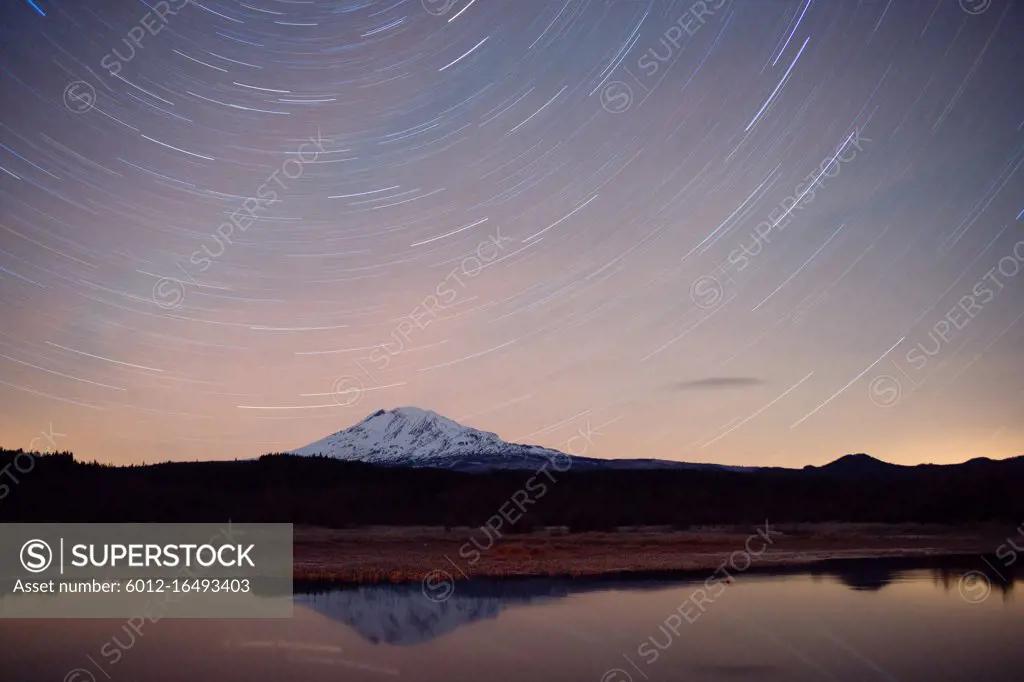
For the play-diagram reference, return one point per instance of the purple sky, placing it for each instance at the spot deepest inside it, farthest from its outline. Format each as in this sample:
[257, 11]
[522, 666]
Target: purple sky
[760, 232]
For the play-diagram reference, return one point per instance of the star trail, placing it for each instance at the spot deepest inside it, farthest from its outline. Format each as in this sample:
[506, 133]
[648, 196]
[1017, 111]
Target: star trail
[754, 232]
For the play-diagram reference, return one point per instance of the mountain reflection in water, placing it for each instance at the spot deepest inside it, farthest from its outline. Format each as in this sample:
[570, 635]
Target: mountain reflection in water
[406, 614]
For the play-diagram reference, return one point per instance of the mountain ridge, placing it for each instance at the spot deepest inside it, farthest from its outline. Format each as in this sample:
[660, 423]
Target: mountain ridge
[415, 437]
[420, 438]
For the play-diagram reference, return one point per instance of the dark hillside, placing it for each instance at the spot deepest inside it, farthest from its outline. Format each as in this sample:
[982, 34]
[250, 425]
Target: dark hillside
[327, 492]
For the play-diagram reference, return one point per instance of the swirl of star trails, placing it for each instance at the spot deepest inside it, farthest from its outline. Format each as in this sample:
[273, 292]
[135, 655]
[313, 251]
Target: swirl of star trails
[229, 228]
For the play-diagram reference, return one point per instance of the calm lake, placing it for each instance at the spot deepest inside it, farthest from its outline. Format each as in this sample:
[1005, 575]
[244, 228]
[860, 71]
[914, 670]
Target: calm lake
[858, 621]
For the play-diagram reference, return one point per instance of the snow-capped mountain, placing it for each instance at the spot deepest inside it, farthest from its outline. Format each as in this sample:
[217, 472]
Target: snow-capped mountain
[410, 436]
[413, 437]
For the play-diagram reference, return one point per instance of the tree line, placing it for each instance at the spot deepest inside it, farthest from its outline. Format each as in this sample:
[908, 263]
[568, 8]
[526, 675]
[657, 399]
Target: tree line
[326, 492]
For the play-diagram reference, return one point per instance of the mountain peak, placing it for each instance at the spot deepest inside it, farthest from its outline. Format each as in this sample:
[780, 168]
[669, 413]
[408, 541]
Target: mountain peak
[861, 457]
[408, 411]
[858, 463]
[418, 437]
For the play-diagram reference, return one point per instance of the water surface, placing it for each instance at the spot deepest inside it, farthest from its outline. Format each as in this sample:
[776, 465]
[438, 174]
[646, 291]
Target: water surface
[857, 621]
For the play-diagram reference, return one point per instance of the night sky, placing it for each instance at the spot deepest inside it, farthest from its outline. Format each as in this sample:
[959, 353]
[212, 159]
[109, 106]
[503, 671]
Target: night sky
[757, 232]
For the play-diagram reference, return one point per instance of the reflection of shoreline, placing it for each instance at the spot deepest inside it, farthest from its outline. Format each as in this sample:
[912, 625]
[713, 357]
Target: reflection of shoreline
[403, 615]
[857, 572]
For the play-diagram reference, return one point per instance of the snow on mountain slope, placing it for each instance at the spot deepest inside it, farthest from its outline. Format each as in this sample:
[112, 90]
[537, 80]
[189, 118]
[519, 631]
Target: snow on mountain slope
[412, 436]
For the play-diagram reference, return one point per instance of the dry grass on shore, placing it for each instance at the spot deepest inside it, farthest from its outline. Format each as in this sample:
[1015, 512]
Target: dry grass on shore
[374, 555]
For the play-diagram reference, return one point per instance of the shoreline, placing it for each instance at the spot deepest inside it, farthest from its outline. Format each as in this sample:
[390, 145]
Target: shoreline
[406, 555]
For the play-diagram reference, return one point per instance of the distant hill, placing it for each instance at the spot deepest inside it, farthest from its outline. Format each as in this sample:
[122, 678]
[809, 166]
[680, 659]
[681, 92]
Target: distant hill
[859, 465]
